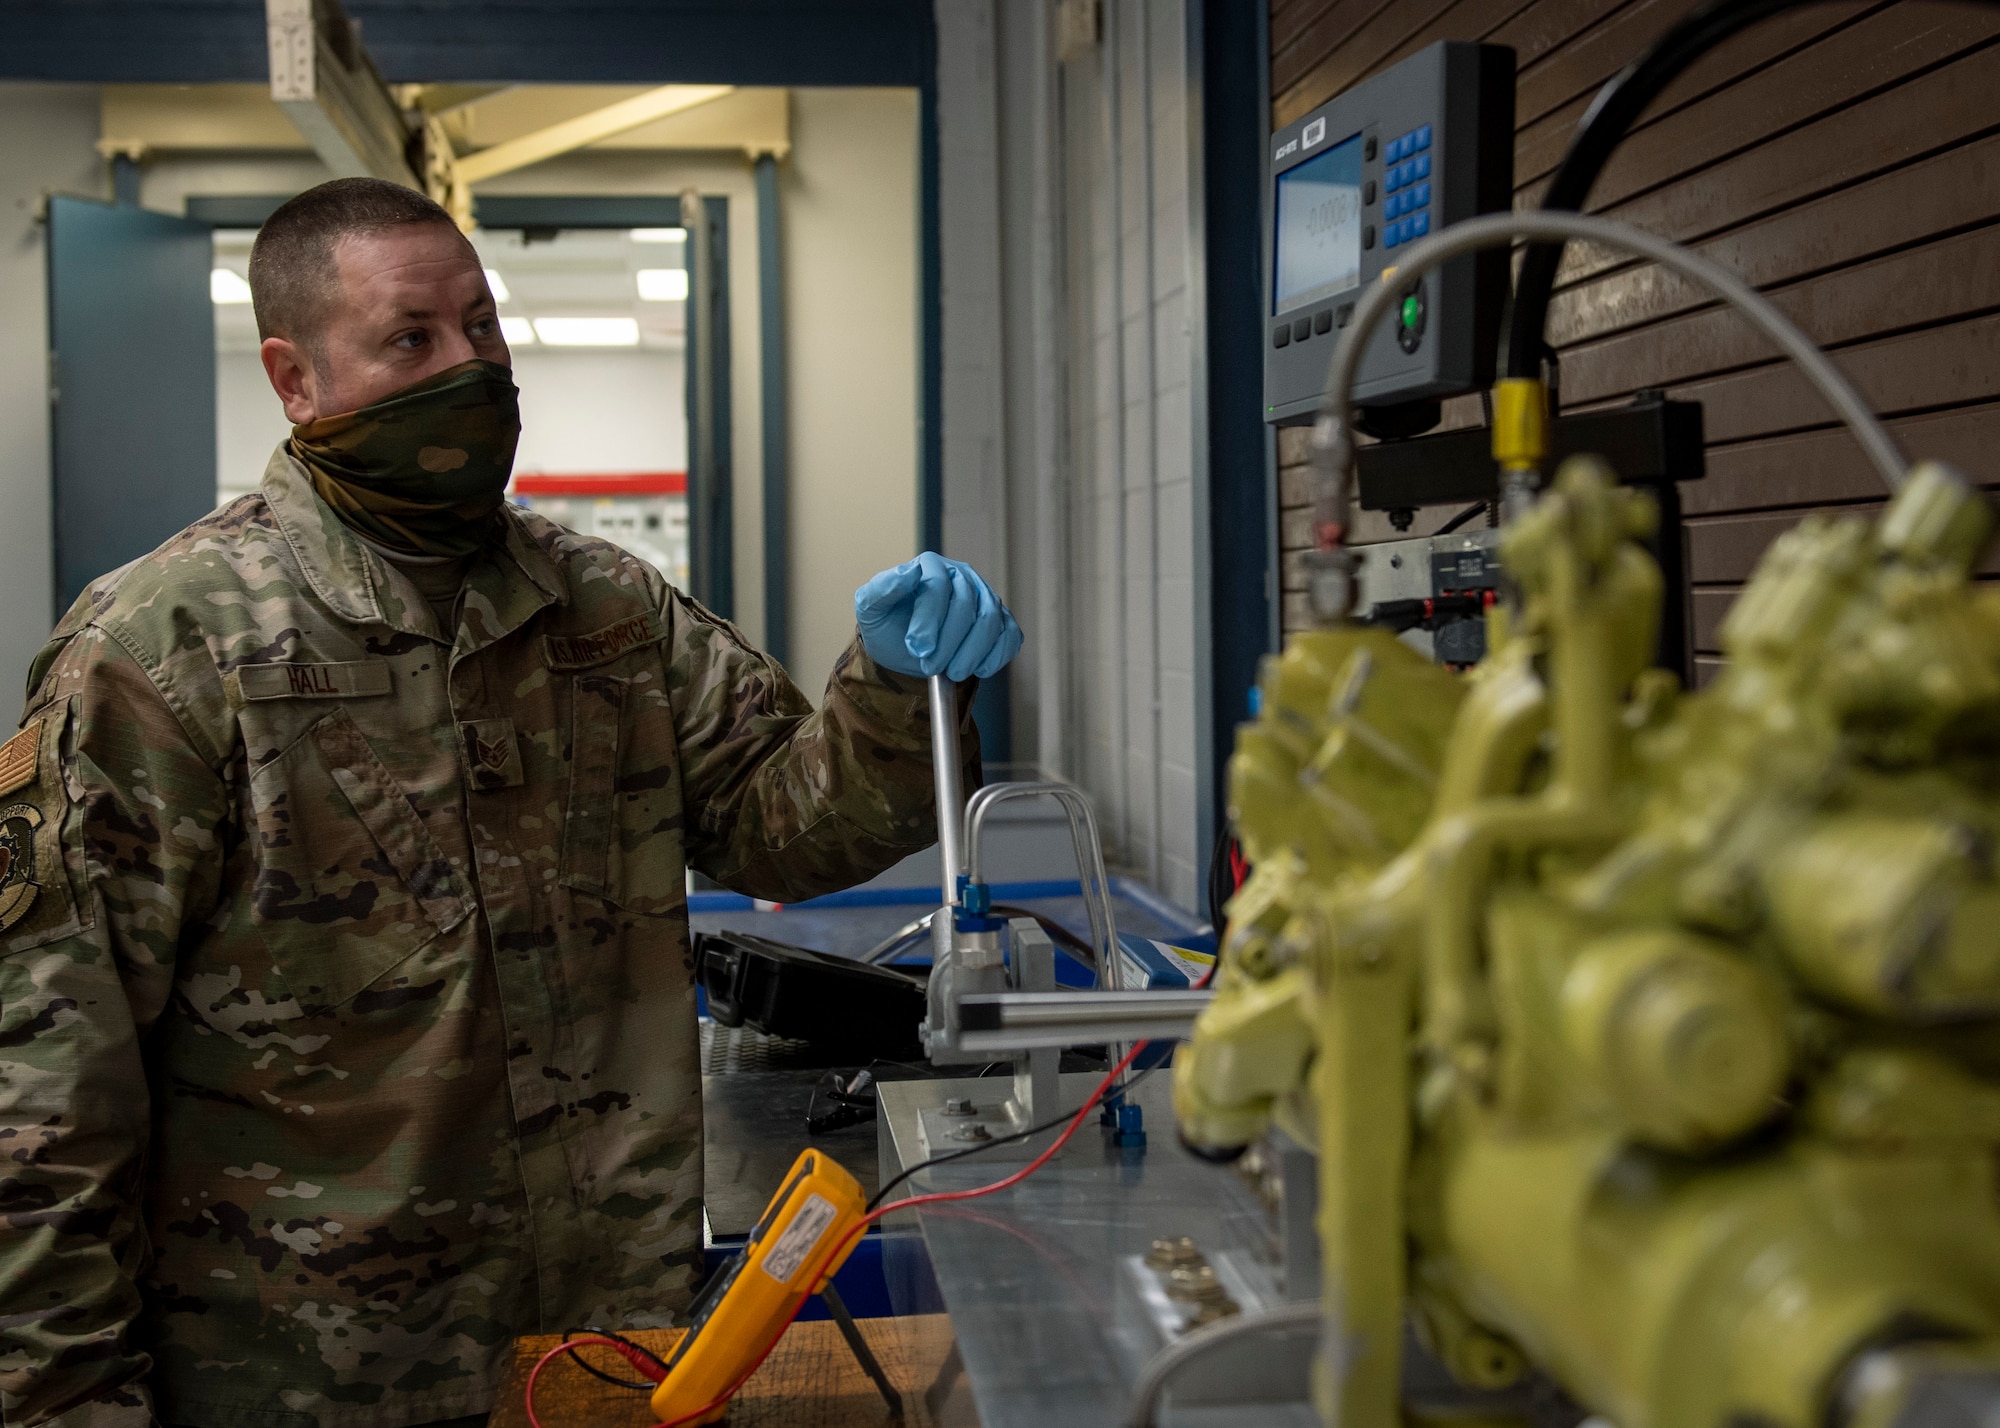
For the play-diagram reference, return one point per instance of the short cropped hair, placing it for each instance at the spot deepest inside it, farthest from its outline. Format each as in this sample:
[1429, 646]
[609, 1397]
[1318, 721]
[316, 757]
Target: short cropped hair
[292, 272]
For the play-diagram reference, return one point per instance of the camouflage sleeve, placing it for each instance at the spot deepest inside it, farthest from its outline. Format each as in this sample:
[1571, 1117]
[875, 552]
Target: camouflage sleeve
[785, 802]
[109, 847]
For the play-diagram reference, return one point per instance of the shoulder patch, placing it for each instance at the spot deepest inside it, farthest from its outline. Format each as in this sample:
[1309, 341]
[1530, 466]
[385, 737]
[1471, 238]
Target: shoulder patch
[37, 902]
[602, 646]
[19, 884]
[20, 756]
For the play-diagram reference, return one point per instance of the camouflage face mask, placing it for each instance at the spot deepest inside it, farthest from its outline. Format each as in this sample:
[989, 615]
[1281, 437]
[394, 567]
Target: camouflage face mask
[424, 470]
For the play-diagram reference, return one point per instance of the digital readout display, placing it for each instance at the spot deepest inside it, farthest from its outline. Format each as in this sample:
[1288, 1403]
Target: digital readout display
[1319, 226]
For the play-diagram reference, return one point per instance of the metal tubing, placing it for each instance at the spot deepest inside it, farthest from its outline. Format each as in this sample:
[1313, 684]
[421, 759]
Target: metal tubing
[945, 766]
[1333, 435]
[1096, 886]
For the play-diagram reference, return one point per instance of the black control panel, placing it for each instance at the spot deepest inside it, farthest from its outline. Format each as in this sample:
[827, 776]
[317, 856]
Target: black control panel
[1395, 158]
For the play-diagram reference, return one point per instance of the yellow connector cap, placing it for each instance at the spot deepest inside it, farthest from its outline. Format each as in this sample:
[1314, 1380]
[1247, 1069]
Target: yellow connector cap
[1520, 423]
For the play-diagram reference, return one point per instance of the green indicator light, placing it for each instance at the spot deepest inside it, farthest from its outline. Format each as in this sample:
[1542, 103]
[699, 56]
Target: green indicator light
[1410, 311]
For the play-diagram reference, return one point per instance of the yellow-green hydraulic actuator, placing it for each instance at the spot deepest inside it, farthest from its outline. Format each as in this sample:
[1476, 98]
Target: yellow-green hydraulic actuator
[1650, 1038]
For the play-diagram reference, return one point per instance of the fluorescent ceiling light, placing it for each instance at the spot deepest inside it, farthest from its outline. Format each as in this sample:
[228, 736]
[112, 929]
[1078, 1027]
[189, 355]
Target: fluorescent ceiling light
[658, 235]
[498, 285]
[663, 284]
[588, 331]
[518, 331]
[226, 285]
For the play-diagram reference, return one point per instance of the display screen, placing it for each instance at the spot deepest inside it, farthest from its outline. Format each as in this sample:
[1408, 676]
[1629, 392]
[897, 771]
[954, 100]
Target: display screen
[1319, 226]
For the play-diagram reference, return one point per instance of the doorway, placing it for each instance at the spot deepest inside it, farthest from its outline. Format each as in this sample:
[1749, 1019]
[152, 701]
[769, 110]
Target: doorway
[597, 300]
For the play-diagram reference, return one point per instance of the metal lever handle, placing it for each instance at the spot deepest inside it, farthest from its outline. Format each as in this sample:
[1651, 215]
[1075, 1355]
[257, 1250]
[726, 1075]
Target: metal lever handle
[945, 766]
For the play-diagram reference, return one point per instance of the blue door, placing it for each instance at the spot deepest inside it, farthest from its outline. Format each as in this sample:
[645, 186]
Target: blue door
[131, 384]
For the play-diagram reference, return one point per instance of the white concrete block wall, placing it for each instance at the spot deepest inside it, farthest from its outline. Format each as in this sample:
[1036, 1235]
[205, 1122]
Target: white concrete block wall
[1106, 453]
[1145, 85]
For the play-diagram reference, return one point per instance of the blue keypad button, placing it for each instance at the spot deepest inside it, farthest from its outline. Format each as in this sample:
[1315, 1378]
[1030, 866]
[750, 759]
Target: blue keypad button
[1392, 234]
[1402, 175]
[1419, 167]
[1422, 137]
[1421, 196]
[1397, 149]
[1394, 207]
[1419, 226]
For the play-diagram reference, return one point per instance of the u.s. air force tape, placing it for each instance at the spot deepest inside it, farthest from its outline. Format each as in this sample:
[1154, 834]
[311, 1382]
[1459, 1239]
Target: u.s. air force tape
[357, 680]
[603, 646]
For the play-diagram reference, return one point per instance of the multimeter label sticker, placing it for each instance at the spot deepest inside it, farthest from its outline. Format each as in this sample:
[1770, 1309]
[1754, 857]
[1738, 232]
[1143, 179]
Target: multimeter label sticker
[800, 1239]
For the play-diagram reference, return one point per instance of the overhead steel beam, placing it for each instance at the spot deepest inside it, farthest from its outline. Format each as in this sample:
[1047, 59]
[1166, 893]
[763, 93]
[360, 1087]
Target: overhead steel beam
[585, 129]
[755, 121]
[323, 79]
[776, 408]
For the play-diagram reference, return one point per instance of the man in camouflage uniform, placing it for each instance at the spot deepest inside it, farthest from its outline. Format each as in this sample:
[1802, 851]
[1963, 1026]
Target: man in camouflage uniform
[346, 1003]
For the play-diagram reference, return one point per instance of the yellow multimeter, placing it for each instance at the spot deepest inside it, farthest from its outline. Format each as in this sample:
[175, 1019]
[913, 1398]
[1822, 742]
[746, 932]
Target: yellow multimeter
[741, 1311]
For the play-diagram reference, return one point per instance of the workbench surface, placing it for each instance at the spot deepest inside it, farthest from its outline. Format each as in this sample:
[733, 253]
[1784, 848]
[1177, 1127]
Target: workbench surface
[811, 1380]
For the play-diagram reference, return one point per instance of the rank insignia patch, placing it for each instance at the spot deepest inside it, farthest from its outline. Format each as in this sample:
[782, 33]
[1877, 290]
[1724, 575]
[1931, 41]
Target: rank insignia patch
[18, 759]
[492, 753]
[18, 888]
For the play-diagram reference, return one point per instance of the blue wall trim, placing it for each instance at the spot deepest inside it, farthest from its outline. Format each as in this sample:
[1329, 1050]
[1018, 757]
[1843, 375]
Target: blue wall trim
[887, 897]
[775, 403]
[1241, 476]
[1193, 932]
[781, 42]
[249, 210]
[711, 486]
[581, 211]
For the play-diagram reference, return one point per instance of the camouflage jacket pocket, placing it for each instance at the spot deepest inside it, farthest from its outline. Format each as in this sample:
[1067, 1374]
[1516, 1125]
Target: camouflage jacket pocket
[349, 880]
[622, 826]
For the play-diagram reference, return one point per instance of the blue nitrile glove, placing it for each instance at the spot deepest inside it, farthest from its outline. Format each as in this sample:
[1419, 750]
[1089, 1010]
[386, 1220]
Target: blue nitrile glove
[935, 616]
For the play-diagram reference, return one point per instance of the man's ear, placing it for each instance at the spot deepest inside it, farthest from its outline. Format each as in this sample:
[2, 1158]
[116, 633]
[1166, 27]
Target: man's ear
[292, 378]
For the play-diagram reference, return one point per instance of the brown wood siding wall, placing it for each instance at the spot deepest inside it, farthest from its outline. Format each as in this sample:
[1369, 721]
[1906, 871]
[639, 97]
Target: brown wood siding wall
[1845, 158]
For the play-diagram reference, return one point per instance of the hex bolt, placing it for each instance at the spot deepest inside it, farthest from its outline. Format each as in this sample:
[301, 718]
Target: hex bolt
[960, 1106]
[973, 1132]
[1176, 1250]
